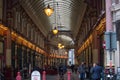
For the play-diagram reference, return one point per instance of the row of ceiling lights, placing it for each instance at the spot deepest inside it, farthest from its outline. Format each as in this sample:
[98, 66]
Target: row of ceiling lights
[49, 11]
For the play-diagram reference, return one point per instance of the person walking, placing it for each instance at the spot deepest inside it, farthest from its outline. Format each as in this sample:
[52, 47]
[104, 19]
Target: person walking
[72, 68]
[89, 68]
[82, 70]
[96, 72]
[76, 68]
[61, 71]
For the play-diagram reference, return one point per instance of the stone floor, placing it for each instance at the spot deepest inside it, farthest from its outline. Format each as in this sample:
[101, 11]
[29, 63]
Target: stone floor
[56, 77]
[74, 76]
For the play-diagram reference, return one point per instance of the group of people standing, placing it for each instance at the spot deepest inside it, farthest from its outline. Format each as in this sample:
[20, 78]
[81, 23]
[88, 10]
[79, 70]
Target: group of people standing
[94, 71]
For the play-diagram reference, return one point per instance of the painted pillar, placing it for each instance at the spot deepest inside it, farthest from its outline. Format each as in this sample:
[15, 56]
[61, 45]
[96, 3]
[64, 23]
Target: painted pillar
[95, 51]
[8, 67]
[8, 49]
[108, 16]
[109, 28]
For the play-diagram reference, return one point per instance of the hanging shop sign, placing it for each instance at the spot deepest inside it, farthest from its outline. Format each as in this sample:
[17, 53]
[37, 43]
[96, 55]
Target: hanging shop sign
[110, 40]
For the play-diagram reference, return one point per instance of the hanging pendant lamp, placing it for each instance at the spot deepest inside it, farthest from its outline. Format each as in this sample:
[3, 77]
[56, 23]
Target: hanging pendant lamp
[48, 10]
[55, 31]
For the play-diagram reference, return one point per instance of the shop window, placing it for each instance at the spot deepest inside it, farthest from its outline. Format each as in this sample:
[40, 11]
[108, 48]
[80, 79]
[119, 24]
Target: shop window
[22, 25]
[1, 54]
[1, 9]
[118, 30]
[1, 47]
[18, 22]
[103, 4]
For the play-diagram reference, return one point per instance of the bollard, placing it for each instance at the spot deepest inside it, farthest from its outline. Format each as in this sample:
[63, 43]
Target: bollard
[18, 77]
[44, 75]
[69, 74]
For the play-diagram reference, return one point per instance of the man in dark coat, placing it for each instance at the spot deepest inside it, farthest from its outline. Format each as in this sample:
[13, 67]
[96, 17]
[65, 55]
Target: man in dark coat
[82, 70]
[96, 72]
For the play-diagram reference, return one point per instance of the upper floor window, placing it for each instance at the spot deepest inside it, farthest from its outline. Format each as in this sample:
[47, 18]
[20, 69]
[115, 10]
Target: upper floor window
[103, 4]
[1, 9]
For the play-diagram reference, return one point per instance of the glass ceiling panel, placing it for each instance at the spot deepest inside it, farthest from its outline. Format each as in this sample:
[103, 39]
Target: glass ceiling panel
[61, 11]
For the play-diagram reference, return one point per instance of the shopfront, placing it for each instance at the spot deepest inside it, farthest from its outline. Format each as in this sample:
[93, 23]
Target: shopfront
[2, 60]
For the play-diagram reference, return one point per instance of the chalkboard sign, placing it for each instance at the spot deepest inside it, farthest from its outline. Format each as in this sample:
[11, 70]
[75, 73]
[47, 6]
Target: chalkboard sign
[35, 75]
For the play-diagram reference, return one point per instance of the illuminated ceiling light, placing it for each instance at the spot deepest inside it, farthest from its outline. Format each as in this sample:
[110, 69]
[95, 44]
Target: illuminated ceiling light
[55, 31]
[48, 10]
[60, 46]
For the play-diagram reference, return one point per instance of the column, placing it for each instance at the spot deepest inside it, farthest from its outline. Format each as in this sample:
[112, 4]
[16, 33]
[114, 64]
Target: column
[109, 28]
[95, 51]
[108, 16]
[8, 65]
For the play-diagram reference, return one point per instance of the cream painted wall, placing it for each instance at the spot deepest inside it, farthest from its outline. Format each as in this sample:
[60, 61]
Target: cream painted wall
[8, 57]
[95, 55]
